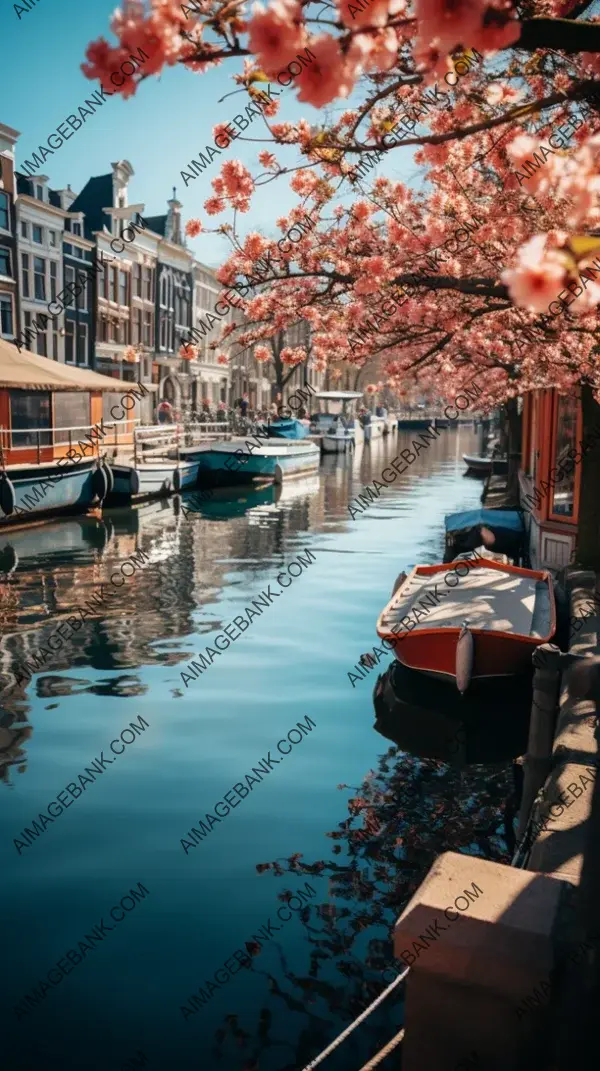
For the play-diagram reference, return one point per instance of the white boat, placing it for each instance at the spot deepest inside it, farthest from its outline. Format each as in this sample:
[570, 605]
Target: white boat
[336, 436]
[375, 429]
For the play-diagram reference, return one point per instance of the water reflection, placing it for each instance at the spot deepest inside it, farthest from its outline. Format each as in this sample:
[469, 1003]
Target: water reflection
[380, 837]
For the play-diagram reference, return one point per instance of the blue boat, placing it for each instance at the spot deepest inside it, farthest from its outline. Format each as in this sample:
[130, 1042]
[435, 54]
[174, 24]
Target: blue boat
[253, 460]
[26, 491]
[500, 530]
[286, 428]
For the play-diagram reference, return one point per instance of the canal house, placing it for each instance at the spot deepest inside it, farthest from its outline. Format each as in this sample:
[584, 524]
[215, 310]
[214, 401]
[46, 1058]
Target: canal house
[552, 427]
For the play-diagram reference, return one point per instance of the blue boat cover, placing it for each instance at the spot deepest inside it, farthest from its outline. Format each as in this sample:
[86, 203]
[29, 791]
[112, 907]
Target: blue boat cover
[287, 429]
[492, 518]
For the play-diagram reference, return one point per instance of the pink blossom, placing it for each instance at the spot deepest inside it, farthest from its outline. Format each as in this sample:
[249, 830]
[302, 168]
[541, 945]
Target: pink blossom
[537, 277]
[276, 33]
[262, 353]
[214, 205]
[330, 74]
[522, 148]
[267, 159]
[238, 183]
[375, 13]
[451, 22]
[193, 227]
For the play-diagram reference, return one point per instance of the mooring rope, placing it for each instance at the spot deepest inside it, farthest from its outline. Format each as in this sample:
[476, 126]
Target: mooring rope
[363, 1015]
[385, 1051]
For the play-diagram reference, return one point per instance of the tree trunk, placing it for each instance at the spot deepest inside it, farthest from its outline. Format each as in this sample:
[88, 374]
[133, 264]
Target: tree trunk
[513, 421]
[588, 534]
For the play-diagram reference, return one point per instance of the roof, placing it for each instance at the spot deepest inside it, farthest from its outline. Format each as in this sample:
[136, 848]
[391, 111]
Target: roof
[29, 371]
[95, 195]
[158, 224]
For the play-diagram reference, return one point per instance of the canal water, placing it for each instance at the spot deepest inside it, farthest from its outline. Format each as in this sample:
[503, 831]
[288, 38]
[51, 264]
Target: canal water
[347, 830]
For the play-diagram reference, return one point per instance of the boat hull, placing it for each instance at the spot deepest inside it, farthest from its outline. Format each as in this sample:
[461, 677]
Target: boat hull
[37, 490]
[485, 466]
[433, 648]
[337, 444]
[414, 423]
[275, 461]
[429, 719]
[152, 480]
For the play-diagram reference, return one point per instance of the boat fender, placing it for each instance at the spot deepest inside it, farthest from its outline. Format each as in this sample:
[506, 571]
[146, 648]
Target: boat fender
[110, 476]
[7, 495]
[278, 474]
[465, 652]
[100, 483]
[9, 559]
[177, 481]
[134, 482]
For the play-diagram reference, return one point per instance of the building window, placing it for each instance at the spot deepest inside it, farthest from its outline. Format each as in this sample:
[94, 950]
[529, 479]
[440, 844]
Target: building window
[112, 282]
[147, 329]
[53, 277]
[31, 410]
[82, 350]
[24, 228]
[36, 235]
[25, 273]
[54, 344]
[52, 237]
[6, 316]
[565, 444]
[42, 344]
[5, 268]
[82, 300]
[147, 283]
[4, 212]
[102, 282]
[137, 280]
[77, 229]
[69, 341]
[39, 278]
[39, 193]
[123, 288]
[69, 287]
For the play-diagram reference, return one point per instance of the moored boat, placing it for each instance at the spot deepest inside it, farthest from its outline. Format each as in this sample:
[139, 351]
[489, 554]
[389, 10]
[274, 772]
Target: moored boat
[485, 466]
[339, 431]
[486, 624]
[26, 491]
[429, 718]
[241, 461]
[47, 463]
[499, 530]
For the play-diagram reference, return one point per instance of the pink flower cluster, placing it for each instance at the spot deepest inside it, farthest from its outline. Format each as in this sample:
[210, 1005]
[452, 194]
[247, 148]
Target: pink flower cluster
[293, 356]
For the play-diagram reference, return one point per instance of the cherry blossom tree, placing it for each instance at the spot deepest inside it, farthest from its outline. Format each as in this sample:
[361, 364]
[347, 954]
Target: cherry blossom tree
[489, 268]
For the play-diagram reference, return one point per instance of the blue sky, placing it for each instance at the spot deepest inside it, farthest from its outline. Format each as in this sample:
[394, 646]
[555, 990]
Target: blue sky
[159, 130]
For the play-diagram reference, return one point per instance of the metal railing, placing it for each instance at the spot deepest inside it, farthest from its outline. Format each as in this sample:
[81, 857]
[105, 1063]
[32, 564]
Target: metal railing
[51, 438]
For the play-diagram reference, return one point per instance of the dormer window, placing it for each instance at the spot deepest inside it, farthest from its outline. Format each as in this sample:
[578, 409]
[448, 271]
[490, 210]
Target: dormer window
[39, 193]
[77, 229]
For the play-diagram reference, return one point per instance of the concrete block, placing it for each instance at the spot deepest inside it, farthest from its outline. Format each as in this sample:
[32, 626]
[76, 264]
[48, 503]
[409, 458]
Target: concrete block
[481, 924]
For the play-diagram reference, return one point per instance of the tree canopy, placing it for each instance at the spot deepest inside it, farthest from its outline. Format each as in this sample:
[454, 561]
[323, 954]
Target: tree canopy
[489, 264]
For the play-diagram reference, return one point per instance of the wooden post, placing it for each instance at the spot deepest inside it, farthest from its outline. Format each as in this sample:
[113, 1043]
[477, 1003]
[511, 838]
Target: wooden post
[546, 678]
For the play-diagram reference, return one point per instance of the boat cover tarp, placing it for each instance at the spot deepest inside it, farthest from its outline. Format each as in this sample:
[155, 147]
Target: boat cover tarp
[29, 371]
[287, 429]
[508, 519]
